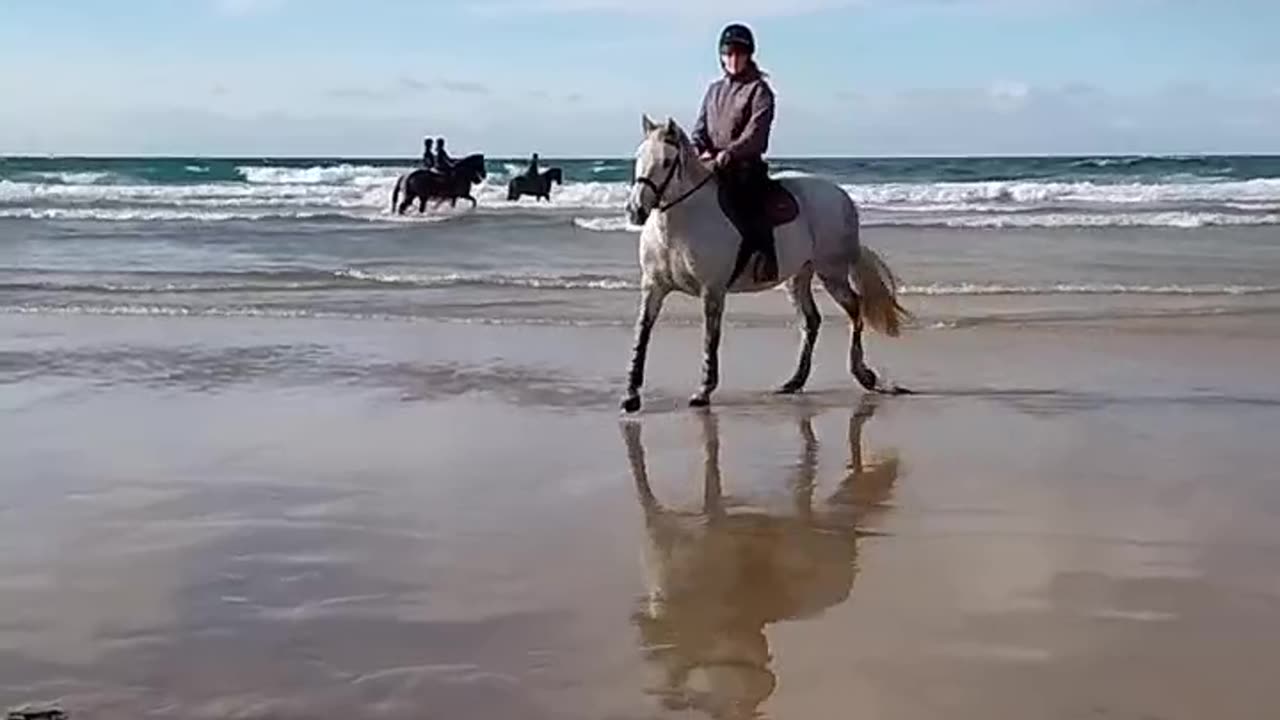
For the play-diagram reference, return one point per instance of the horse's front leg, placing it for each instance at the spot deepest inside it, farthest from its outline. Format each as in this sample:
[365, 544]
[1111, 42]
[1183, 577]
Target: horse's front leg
[651, 298]
[712, 315]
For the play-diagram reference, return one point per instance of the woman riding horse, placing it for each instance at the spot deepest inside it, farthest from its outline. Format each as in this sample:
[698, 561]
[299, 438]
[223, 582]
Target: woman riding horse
[732, 134]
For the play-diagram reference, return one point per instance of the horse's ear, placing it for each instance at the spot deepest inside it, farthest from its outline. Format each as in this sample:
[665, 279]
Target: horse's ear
[649, 125]
[671, 129]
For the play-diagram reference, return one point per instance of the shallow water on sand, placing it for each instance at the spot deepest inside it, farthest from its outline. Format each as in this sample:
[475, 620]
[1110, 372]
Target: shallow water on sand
[303, 519]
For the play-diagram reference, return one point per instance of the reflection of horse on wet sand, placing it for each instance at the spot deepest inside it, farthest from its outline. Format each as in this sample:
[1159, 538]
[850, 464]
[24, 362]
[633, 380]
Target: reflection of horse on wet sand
[717, 577]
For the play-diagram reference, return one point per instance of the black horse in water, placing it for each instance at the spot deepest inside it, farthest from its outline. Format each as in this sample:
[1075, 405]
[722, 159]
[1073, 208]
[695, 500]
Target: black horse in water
[539, 186]
[423, 185]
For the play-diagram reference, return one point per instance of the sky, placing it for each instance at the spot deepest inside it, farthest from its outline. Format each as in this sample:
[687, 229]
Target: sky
[572, 77]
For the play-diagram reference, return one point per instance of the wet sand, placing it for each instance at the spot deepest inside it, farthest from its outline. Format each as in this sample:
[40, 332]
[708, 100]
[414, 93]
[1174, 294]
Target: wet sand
[212, 518]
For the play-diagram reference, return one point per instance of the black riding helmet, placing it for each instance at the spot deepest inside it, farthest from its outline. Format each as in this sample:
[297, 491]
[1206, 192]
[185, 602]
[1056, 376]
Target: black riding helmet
[737, 35]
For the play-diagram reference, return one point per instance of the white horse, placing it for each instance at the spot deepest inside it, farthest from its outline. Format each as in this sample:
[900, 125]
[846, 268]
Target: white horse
[688, 244]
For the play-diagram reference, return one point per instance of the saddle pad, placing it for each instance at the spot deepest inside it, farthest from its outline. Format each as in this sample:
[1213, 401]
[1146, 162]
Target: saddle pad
[781, 206]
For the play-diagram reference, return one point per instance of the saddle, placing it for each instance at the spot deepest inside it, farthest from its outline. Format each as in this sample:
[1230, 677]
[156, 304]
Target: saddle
[780, 207]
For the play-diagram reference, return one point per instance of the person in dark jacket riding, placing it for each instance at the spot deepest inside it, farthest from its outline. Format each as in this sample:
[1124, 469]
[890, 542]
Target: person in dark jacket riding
[732, 135]
[532, 170]
[428, 158]
[444, 163]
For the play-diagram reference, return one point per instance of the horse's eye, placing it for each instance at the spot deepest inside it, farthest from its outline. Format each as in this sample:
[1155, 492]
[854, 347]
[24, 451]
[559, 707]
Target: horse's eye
[666, 162]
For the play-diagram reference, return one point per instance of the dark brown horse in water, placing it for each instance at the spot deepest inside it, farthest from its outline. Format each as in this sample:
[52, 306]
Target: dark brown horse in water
[538, 186]
[452, 185]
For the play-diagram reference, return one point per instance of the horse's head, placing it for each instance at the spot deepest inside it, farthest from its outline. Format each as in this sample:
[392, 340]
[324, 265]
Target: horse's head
[472, 168]
[661, 160]
[555, 175]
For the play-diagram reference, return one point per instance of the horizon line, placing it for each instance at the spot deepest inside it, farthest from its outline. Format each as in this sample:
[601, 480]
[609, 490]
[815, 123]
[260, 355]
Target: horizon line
[781, 157]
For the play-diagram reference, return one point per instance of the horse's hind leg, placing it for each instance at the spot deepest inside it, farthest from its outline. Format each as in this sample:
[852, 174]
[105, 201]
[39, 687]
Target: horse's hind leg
[800, 290]
[404, 204]
[845, 296]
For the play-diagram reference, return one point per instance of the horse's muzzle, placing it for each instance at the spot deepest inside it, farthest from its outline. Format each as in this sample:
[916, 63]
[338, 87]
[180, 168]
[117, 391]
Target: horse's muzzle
[636, 215]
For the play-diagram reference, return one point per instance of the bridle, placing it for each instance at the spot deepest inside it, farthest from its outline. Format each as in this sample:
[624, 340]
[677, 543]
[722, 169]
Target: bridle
[660, 189]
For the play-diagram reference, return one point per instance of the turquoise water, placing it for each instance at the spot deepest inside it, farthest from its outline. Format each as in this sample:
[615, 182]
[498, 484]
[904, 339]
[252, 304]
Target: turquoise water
[1158, 169]
[1182, 192]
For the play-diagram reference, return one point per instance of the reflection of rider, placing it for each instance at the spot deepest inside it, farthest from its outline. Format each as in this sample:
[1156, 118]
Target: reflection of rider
[531, 172]
[444, 163]
[732, 133]
[428, 158]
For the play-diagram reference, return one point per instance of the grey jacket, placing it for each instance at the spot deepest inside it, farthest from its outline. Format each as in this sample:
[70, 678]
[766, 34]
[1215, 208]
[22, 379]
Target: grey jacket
[736, 117]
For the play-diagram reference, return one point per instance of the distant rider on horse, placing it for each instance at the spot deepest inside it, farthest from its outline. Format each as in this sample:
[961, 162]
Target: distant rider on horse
[428, 158]
[732, 134]
[444, 163]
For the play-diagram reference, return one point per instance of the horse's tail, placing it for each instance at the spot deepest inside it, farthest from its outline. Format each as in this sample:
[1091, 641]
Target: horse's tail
[879, 287]
[395, 195]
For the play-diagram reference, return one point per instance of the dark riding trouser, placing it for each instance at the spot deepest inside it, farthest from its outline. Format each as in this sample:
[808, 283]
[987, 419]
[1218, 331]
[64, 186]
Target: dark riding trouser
[745, 187]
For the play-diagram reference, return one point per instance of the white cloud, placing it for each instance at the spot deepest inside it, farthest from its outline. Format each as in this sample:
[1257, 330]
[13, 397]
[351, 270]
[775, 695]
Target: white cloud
[1016, 118]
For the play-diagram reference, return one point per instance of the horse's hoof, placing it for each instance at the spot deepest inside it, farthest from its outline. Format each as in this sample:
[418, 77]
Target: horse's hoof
[790, 388]
[867, 378]
[631, 403]
[898, 390]
[699, 401]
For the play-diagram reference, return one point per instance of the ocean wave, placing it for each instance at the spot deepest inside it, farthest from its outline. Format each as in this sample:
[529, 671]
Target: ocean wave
[18, 193]
[172, 215]
[321, 174]
[1103, 162]
[1181, 220]
[363, 192]
[980, 289]
[130, 310]
[159, 282]
[606, 224]
[297, 280]
[206, 211]
[991, 218]
[176, 283]
[74, 178]
[1039, 192]
[261, 313]
[539, 282]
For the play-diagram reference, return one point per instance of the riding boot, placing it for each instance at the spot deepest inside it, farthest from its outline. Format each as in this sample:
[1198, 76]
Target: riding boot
[767, 269]
[755, 198]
